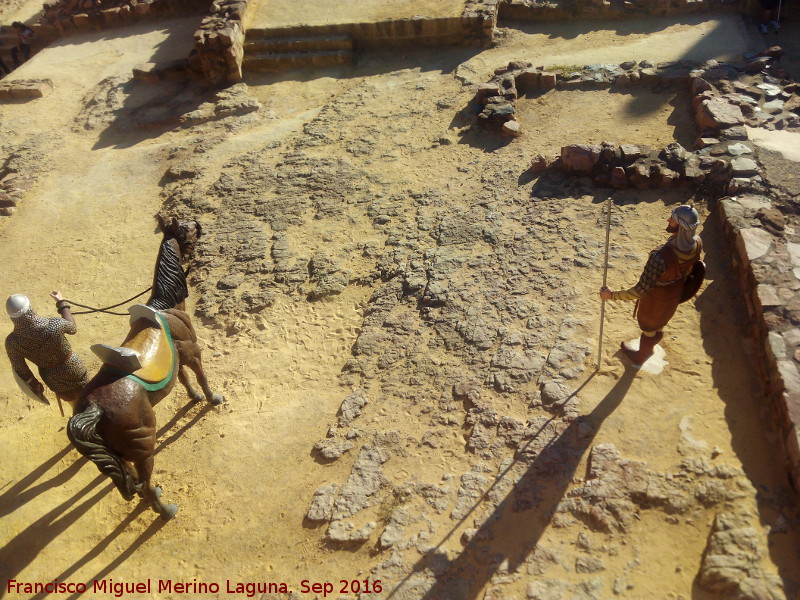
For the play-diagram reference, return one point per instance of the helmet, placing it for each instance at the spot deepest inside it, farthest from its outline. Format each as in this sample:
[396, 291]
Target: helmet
[17, 305]
[686, 216]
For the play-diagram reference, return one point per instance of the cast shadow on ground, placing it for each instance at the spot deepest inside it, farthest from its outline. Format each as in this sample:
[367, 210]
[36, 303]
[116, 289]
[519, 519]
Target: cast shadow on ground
[20, 551]
[131, 111]
[151, 530]
[24, 491]
[723, 317]
[529, 507]
[23, 548]
[150, 110]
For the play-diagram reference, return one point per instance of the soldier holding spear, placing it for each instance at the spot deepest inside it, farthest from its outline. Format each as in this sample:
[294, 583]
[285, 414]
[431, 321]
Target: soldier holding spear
[673, 274]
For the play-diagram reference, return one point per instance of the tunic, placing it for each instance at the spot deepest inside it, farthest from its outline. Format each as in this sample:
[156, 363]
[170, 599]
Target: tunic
[658, 306]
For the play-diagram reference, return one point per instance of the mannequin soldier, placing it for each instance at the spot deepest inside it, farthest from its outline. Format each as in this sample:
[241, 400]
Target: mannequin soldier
[663, 283]
[41, 340]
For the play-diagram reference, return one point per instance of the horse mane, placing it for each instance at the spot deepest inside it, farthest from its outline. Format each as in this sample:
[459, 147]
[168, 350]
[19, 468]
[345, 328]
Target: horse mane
[169, 281]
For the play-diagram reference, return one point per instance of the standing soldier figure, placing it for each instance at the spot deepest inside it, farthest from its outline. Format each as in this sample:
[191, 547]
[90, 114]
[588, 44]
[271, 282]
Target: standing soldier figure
[663, 283]
[41, 340]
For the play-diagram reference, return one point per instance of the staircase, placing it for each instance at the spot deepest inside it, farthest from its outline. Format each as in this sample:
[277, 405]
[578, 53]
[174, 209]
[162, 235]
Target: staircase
[267, 52]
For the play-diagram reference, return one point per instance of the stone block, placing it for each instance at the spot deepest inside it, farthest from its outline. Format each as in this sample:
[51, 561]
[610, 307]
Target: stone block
[580, 158]
[29, 89]
[631, 152]
[81, 21]
[791, 395]
[512, 128]
[700, 85]
[639, 175]
[548, 80]
[768, 295]
[527, 80]
[753, 242]
[705, 142]
[487, 90]
[744, 167]
[718, 113]
[618, 179]
[650, 76]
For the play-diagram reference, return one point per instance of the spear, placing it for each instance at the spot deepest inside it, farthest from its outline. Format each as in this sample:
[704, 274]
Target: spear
[605, 274]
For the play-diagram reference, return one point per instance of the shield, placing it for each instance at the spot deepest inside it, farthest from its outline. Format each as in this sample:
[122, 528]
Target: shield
[28, 391]
[693, 281]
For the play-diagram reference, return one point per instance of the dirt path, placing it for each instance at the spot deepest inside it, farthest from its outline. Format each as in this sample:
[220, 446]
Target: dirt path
[450, 289]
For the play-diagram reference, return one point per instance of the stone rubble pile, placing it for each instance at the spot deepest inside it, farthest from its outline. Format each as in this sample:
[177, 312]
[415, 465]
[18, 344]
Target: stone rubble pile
[13, 186]
[725, 98]
[64, 17]
[24, 89]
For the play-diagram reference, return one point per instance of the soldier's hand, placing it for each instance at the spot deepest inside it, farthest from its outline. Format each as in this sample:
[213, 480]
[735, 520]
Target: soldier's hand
[605, 293]
[36, 386]
[56, 296]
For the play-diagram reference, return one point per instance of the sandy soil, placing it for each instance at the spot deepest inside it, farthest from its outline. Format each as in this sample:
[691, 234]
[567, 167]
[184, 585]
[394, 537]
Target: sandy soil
[375, 172]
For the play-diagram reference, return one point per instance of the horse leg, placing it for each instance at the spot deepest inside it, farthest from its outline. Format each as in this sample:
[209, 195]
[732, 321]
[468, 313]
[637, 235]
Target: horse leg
[196, 365]
[183, 377]
[189, 352]
[149, 493]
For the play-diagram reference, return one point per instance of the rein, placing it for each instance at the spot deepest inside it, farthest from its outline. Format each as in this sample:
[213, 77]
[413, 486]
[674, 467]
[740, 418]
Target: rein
[106, 310]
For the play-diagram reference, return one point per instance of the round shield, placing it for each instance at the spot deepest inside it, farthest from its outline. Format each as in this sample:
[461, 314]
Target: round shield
[693, 281]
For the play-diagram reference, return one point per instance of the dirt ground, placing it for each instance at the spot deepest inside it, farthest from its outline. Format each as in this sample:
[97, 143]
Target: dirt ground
[362, 240]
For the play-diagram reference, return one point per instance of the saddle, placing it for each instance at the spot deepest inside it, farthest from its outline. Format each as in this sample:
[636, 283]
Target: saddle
[148, 354]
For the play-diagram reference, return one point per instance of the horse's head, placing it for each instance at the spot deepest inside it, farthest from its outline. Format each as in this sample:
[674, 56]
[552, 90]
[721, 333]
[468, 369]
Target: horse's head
[186, 233]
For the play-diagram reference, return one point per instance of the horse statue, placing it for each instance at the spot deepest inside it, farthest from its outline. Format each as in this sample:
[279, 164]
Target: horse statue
[114, 424]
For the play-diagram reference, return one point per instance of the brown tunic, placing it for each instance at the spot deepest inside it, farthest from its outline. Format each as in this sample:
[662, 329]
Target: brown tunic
[657, 307]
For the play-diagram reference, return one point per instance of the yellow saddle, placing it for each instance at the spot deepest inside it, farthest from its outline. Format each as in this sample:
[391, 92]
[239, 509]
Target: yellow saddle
[147, 354]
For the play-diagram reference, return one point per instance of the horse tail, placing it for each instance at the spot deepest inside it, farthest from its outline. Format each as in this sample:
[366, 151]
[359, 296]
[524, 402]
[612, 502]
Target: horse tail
[82, 432]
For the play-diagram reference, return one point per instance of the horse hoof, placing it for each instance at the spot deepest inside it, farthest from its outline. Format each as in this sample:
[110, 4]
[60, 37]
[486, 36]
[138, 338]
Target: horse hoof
[217, 399]
[157, 491]
[196, 397]
[170, 510]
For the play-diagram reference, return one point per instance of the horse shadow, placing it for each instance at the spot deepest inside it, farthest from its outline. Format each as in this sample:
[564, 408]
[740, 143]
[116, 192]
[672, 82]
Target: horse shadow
[20, 551]
[528, 506]
[24, 491]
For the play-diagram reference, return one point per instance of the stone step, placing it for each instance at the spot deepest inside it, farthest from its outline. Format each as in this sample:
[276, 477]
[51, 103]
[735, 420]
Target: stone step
[282, 61]
[255, 42]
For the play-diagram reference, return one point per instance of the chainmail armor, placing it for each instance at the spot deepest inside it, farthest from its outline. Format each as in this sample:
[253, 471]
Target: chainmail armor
[42, 341]
[653, 270]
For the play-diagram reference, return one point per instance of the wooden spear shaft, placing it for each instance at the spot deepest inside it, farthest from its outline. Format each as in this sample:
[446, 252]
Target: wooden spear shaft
[605, 275]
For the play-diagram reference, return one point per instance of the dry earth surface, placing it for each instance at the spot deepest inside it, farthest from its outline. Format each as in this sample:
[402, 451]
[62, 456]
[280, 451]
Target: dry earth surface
[404, 324]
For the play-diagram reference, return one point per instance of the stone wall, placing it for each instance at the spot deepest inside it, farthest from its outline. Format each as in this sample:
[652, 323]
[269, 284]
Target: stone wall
[552, 10]
[767, 267]
[219, 42]
[66, 17]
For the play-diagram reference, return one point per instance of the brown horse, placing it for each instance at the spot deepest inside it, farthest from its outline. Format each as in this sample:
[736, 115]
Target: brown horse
[114, 424]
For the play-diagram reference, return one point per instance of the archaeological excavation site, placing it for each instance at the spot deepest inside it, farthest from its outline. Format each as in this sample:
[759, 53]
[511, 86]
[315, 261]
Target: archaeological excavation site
[393, 220]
